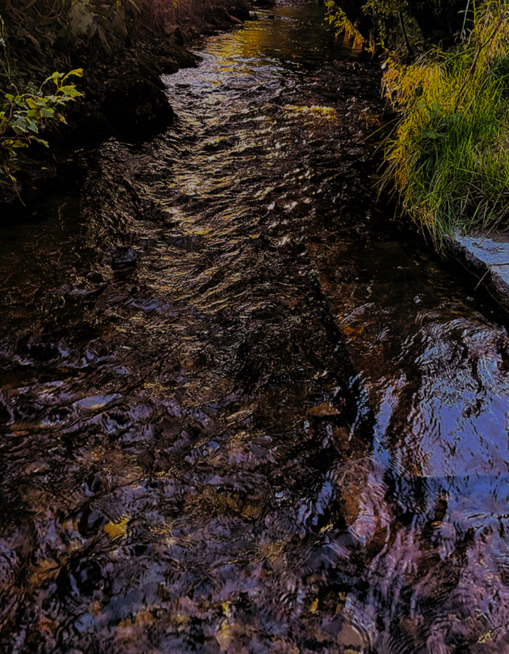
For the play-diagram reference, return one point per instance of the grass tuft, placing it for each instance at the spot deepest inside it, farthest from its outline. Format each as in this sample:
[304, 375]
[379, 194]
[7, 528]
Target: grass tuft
[449, 156]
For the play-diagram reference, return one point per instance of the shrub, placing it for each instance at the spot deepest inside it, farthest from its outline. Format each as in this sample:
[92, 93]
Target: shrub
[108, 38]
[24, 113]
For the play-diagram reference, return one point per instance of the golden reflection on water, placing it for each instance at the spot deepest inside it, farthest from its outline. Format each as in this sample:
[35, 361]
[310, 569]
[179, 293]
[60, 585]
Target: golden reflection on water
[199, 468]
[329, 113]
[286, 37]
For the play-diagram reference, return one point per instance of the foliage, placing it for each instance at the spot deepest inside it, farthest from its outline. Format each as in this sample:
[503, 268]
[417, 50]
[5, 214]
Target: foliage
[401, 26]
[24, 115]
[341, 23]
[448, 159]
[48, 35]
[25, 111]
[35, 39]
[107, 38]
[379, 23]
[101, 28]
[47, 32]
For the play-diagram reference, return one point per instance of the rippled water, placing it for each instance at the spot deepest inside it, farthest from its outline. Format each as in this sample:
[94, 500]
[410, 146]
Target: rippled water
[240, 411]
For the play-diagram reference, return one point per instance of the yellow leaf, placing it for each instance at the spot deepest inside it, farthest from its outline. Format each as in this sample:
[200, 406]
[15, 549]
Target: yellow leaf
[224, 637]
[116, 529]
[314, 606]
[322, 410]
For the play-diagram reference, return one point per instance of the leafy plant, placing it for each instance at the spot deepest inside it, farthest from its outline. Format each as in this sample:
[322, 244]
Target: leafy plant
[24, 115]
[405, 27]
[341, 23]
[378, 23]
[109, 38]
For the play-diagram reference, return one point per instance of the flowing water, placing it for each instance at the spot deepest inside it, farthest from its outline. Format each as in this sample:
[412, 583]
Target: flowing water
[240, 411]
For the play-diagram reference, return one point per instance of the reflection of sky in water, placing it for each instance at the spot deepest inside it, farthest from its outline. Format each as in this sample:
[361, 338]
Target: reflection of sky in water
[451, 418]
[443, 433]
[434, 375]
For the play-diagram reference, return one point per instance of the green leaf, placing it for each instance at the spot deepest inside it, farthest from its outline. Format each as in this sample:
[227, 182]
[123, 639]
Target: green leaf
[20, 125]
[32, 125]
[70, 91]
[15, 143]
[55, 77]
[430, 134]
[47, 112]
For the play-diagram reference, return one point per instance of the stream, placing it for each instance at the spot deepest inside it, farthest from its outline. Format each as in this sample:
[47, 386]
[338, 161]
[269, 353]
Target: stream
[241, 410]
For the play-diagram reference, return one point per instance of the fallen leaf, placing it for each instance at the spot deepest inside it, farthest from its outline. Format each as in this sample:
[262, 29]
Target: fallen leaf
[117, 529]
[322, 410]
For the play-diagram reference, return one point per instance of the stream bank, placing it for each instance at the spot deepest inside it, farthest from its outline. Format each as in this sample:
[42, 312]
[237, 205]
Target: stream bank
[123, 49]
[485, 258]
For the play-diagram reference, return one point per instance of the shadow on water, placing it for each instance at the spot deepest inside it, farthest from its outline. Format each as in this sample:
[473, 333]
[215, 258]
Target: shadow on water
[240, 411]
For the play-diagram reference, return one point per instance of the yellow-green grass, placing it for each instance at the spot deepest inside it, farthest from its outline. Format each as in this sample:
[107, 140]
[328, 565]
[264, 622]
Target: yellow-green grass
[449, 156]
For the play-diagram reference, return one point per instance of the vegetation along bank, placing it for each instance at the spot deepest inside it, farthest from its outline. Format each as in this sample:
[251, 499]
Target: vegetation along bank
[447, 78]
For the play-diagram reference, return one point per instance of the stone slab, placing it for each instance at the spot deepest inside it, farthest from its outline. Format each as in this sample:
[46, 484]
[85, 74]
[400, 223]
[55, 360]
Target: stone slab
[487, 258]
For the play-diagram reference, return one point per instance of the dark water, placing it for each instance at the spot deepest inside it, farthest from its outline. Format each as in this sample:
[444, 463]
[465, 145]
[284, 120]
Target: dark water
[241, 412]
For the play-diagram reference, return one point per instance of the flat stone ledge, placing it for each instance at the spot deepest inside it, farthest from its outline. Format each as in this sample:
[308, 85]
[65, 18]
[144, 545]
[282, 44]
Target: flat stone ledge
[487, 258]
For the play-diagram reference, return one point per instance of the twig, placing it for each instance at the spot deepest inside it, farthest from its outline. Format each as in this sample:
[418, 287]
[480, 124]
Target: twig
[482, 279]
[405, 36]
[465, 19]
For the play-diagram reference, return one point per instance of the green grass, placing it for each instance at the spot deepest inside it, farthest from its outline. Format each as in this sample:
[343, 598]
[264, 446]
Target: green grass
[449, 156]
